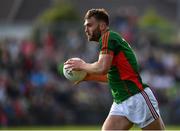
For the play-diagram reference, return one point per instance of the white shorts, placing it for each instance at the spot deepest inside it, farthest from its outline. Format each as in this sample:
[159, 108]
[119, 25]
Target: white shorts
[140, 109]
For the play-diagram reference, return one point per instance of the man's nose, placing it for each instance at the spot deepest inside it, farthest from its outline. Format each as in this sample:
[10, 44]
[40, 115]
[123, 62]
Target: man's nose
[86, 30]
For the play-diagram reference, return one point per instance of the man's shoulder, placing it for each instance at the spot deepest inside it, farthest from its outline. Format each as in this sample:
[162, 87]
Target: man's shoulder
[114, 35]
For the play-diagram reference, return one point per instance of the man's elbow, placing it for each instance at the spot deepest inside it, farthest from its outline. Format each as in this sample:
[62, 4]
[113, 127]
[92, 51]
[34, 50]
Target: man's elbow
[103, 71]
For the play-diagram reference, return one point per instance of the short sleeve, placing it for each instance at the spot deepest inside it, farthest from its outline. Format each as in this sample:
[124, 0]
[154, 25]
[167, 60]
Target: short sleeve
[107, 44]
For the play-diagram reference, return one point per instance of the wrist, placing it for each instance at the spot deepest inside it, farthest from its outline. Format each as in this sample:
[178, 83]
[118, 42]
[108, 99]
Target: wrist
[84, 66]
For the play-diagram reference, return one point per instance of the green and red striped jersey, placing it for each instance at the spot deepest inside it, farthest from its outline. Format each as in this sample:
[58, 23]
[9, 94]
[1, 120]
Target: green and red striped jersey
[123, 76]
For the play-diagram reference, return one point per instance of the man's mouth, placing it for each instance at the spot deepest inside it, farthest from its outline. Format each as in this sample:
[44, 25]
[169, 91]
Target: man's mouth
[88, 35]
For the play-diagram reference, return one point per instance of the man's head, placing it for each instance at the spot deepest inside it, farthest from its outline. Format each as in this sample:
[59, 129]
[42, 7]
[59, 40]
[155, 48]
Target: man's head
[96, 23]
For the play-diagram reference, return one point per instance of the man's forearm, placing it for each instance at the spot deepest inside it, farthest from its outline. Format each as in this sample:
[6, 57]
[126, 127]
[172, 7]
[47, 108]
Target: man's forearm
[95, 68]
[93, 77]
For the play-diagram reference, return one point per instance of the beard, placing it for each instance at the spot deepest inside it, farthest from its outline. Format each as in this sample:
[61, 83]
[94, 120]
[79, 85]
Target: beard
[95, 35]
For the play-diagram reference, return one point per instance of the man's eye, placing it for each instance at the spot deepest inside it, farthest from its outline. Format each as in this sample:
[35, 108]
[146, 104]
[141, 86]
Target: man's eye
[89, 25]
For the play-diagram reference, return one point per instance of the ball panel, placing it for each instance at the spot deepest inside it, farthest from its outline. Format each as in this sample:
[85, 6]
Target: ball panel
[74, 75]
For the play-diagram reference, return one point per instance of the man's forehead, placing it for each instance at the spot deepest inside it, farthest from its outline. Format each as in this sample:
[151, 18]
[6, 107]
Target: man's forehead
[88, 21]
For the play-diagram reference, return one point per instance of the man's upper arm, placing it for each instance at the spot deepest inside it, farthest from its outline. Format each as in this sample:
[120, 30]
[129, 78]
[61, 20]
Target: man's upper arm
[105, 60]
[107, 49]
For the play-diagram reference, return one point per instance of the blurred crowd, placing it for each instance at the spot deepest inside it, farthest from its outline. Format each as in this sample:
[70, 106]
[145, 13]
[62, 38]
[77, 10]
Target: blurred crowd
[33, 90]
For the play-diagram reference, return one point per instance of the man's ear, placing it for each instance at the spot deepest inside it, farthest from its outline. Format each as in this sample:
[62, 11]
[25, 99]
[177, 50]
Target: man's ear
[102, 26]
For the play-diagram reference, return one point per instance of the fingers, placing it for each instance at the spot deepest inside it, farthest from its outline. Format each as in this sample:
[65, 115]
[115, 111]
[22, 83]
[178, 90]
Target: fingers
[68, 62]
[76, 83]
[73, 64]
[68, 66]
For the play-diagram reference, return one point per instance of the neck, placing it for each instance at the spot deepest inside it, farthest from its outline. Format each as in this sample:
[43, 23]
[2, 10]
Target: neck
[104, 31]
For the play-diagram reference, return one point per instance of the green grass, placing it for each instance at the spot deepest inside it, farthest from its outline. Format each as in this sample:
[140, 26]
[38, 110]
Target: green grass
[72, 128]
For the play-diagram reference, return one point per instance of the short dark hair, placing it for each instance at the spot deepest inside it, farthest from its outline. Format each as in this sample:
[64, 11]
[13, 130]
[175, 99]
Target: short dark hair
[99, 14]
